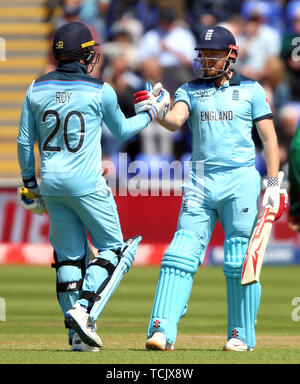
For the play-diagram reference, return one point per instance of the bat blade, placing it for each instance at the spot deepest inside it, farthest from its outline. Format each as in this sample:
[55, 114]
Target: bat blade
[257, 247]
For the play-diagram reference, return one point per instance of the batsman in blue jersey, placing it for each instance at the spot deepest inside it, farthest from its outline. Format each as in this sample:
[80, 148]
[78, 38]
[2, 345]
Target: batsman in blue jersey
[63, 110]
[220, 107]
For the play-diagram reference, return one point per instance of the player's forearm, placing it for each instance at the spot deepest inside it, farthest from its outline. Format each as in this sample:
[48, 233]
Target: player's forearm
[121, 127]
[268, 136]
[124, 129]
[171, 121]
[26, 138]
[271, 151]
[134, 125]
[26, 160]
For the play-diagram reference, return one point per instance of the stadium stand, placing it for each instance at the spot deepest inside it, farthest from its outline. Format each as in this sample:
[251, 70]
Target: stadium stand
[25, 37]
[26, 28]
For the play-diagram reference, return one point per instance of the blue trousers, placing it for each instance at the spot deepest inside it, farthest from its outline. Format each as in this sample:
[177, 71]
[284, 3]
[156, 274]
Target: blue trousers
[228, 195]
[69, 219]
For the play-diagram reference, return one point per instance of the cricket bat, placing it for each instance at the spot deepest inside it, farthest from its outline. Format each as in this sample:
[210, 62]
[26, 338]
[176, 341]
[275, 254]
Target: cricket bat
[257, 247]
[29, 195]
[258, 243]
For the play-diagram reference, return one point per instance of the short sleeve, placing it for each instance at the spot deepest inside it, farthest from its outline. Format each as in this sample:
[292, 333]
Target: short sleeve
[182, 95]
[260, 105]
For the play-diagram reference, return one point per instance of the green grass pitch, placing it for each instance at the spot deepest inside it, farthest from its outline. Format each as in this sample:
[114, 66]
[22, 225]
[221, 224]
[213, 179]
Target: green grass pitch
[34, 330]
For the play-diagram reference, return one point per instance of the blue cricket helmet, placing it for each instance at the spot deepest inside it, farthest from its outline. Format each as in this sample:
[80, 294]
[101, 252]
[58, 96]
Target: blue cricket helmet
[218, 38]
[75, 41]
[215, 38]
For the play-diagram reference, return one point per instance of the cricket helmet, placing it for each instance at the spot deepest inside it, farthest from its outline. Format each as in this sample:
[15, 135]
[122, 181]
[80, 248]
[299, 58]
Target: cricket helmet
[75, 41]
[219, 39]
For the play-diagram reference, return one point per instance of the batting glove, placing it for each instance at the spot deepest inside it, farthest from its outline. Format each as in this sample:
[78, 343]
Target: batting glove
[32, 200]
[274, 196]
[156, 101]
[142, 101]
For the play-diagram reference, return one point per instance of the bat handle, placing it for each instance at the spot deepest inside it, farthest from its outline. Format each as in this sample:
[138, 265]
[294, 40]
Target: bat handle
[28, 194]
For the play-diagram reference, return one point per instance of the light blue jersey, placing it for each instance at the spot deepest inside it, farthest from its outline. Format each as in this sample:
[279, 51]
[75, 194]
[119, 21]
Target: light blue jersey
[221, 120]
[64, 111]
[223, 185]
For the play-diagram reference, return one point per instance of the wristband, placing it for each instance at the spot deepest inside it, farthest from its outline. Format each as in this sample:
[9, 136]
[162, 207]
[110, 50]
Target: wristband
[152, 112]
[272, 182]
[30, 183]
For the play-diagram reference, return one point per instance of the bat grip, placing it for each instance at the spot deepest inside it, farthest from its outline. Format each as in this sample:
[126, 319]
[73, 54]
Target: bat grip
[28, 194]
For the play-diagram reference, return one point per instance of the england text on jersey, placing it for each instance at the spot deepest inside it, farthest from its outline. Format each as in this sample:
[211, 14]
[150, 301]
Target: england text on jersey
[216, 115]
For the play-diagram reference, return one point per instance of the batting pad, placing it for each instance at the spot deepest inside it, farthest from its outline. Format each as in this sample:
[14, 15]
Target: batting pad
[68, 276]
[122, 267]
[69, 279]
[175, 282]
[242, 301]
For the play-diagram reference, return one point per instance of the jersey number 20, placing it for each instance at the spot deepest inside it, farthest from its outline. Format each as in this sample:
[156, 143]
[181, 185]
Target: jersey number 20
[47, 147]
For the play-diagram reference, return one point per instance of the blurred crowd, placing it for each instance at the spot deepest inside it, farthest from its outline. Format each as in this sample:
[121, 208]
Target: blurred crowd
[146, 41]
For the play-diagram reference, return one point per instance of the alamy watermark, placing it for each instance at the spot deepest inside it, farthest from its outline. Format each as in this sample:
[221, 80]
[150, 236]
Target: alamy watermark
[296, 310]
[2, 309]
[296, 51]
[2, 49]
[154, 177]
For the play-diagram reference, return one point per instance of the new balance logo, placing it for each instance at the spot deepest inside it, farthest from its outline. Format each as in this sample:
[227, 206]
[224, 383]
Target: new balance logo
[71, 286]
[209, 34]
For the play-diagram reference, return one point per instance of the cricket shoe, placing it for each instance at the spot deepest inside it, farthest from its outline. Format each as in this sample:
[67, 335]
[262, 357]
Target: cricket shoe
[158, 342]
[236, 345]
[78, 319]
[79, 346]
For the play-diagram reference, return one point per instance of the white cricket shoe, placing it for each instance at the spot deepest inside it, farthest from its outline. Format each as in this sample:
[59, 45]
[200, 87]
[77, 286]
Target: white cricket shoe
[236, 345]
[158, 342]
[78, 319]
[79, 346]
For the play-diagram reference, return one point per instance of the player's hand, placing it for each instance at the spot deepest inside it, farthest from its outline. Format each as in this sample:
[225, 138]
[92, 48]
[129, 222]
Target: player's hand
[274, 195]
[30, 199]
[294, 223]
[156, 101]
[161, 102]
[142, 101]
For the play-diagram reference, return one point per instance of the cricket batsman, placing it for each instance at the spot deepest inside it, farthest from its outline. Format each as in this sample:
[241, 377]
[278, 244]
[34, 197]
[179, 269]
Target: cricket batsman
[220, 107]
[63, 110]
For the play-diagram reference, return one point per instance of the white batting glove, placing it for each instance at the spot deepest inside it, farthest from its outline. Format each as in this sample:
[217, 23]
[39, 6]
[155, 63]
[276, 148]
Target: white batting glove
[33, 203]
[36, 205]
[142, 101]
[156, 101]
[274, 196]
[162, 100]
